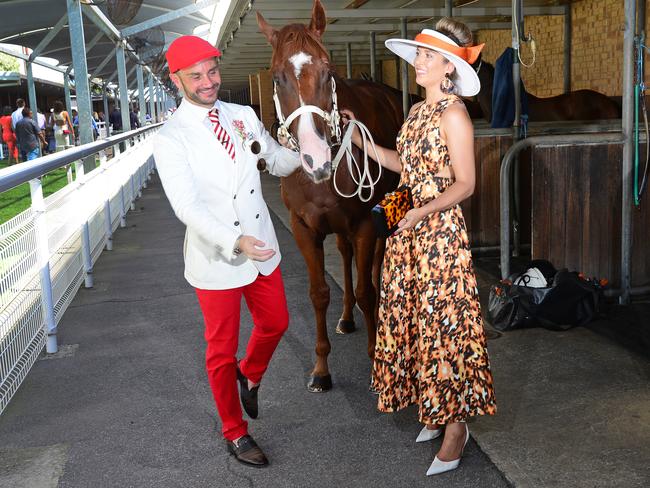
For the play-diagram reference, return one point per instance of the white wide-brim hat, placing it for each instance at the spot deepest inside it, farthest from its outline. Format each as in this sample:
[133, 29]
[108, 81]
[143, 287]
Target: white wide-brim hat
[466, 81]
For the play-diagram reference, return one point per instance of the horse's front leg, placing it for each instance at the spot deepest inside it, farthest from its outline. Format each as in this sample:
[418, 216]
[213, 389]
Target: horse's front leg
[310, 244]
[364, 252]
[346, 322]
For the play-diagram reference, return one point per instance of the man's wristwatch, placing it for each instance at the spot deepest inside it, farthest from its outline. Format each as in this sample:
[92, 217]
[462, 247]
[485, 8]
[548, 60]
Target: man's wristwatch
[237, 251]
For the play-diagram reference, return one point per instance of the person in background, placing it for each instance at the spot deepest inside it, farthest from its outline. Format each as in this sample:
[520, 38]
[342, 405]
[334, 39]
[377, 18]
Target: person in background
[18, 113]
[40, 118]
[115, 120]
[62, 126]
[133, 117]
[8, 135]
[28, 136]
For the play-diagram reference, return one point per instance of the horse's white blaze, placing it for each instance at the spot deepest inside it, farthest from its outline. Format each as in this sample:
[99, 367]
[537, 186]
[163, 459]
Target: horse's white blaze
[312, 144]
[298, 61]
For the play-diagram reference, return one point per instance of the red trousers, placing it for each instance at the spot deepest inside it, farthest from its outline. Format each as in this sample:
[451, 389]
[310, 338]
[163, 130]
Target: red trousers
[221, 310]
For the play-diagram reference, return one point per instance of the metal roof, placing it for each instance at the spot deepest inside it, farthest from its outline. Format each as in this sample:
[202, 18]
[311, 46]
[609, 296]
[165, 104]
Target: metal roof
[350, 21]
[33, 24]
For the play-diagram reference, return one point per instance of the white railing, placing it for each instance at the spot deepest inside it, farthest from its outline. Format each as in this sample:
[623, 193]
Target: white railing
[48, 251]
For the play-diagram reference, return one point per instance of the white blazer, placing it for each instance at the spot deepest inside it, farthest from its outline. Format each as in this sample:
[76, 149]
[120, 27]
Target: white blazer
[219, 199]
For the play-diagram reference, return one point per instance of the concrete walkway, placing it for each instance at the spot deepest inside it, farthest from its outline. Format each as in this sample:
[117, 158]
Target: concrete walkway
[127, 404]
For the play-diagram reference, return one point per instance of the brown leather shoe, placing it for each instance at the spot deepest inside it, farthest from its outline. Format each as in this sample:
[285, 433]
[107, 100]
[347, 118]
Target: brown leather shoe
[246, 451]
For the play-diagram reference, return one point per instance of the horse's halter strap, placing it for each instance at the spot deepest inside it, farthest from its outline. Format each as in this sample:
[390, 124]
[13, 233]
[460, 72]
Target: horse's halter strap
[332, 119]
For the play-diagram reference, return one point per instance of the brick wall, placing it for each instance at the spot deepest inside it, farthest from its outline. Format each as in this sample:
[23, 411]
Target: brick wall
[597, 52]
[596, 49]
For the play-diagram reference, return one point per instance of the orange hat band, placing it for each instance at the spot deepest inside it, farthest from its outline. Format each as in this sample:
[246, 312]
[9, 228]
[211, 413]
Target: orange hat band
[469, 54]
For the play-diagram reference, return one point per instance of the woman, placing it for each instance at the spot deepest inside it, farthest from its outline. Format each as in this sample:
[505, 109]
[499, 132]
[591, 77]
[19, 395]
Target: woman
[62, 126]
[431, 348]
[8, 135]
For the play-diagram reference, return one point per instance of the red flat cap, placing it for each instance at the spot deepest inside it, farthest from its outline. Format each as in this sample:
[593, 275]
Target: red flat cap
[188, 50]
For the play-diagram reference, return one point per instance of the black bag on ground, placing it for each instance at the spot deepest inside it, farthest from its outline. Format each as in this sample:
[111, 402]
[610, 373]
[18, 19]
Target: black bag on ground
[570, 301]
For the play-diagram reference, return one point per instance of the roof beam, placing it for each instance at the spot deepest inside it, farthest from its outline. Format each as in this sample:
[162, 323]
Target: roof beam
[397, 13]
[98, 18]
[50, 35]
[24, 57]
[168, 17]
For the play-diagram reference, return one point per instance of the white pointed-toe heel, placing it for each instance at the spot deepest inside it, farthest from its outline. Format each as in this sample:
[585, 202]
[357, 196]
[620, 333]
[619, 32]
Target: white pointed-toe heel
[438, 466]
[426, 435]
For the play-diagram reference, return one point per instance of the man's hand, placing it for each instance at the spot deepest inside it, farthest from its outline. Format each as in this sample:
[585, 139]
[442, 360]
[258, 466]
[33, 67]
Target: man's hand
[284, 141]
[250, 247]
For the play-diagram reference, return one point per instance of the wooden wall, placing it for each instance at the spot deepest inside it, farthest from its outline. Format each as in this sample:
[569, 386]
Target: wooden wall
[577, 212]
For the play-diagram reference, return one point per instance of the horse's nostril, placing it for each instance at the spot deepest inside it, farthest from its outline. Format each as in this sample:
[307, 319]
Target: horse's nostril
[309, 160]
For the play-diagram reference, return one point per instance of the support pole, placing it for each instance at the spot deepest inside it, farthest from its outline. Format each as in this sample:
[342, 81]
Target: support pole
[107, 126]
[124, 89]
[348, 59]
[161, 111]
[43, 256]
[31, 89]
[627, 124]
[66, 90]
[373, 56]
[141, 103]
[516, 129]
[82, 89]
[152, 103]
[449, 8]
[567, 48]
[405, 72]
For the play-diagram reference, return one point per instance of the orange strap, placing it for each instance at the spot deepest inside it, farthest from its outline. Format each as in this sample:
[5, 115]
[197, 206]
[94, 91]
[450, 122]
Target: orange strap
[469, 54]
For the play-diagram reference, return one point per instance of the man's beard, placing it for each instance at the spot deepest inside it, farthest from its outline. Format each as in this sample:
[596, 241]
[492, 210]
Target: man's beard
[196, 98]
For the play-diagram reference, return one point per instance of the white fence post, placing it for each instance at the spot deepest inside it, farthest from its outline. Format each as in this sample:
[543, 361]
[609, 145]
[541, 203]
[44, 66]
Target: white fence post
[85, 232]
[43, 253]
[108, 219]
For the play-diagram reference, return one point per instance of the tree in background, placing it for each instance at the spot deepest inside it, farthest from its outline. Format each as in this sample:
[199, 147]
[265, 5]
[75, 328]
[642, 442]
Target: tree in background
[8, 63]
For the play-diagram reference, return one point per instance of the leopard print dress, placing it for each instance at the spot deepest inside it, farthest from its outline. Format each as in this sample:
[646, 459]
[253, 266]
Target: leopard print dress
[431, 348]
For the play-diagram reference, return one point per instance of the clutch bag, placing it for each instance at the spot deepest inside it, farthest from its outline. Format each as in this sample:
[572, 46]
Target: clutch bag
[388, 212]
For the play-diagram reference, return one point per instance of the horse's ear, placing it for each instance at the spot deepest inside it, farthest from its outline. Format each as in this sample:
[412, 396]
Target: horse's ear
[266, 29]
[318, 19]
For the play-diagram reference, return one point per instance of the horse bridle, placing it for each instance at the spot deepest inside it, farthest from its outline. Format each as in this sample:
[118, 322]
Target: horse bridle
[332, 119]
[361, 177]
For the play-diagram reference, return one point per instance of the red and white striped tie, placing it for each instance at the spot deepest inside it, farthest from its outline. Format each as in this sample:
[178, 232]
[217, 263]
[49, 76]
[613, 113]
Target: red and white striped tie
[221, 134]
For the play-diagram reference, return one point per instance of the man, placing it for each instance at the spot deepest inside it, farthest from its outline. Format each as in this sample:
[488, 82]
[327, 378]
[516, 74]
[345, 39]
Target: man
[115, 119]
[28, 136]
[40, 119]
[18, 113]
[211, 179]
[133, 117]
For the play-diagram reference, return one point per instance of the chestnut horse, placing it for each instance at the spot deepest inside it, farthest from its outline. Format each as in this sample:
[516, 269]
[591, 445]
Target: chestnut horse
[575, 105]
[303, 77]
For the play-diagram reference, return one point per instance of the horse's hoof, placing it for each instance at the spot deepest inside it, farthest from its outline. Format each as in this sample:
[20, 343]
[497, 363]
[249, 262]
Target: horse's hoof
[345, 327]
[319, 384]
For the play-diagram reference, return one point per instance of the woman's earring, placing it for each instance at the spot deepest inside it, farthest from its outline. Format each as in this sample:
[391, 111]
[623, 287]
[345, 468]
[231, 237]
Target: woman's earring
[446, 85]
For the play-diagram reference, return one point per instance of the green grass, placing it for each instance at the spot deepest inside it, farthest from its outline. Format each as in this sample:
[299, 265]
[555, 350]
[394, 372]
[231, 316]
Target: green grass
[14, 201]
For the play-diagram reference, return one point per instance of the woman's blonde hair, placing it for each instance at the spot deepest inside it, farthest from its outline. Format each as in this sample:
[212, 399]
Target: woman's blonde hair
[456, 31]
